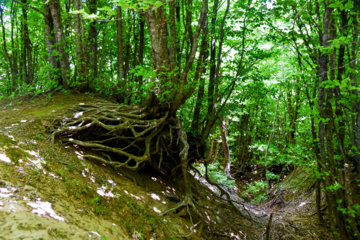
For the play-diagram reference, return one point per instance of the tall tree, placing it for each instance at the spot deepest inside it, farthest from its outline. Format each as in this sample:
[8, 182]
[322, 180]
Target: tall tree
[55, 10]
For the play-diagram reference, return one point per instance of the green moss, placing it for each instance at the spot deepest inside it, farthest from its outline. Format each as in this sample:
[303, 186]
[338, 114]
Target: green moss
[5, 140]
[45, 110]
[15, 154]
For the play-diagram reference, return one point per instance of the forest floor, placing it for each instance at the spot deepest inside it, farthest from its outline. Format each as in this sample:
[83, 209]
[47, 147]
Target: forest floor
[51, 192]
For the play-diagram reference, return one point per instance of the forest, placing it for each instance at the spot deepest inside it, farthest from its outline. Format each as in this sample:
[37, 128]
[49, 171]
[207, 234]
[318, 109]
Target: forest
[246, 93]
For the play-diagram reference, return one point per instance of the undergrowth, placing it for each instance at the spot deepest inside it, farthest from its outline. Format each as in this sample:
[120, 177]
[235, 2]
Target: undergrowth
[217, 175]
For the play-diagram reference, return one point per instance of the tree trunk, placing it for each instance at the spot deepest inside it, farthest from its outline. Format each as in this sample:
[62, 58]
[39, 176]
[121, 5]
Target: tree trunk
[141, 44]
[28, 65]
[354, 80]
[128, 46]
[326, 132]
[268, 145]
[50, 43]
[55, 9]
[225, 147]
[14, 52]
[120, 57]
[93, 42]
[212, 62]
[7, 55]
[200, 70]
[80, 48]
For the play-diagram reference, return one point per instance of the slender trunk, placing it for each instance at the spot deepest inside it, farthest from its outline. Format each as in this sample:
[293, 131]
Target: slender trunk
[50, 43]
[67, 19]
[120, 57]
[14, 51]
[80, 48]
[349, 193]
[354, 80]
[293, 112]
[212, 63]
[213, 90]
[225, 147]
[173, 34]
[216, 152]
[28, 65]
[7, 55]
[141, 44]
[128, 47]
[326, 131]
[268, 145]
[61, 41]
[188, 28]
[200, 70]
[93, 42]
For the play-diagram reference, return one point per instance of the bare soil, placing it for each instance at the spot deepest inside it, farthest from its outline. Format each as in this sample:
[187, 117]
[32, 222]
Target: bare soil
[50, 192]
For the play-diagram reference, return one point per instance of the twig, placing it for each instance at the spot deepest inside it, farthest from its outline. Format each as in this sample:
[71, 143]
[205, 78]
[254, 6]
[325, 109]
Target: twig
[267, 234]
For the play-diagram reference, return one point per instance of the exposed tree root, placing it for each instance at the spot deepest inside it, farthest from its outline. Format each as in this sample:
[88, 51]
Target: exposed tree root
[131, 137]
[124, 136]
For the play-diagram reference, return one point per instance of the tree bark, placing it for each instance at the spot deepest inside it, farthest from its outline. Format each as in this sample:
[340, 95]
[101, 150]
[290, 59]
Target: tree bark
[128, 46]
[354, 79]
[157, 25]
[141, 44]
[50, 42]
[93, 42]
[28, 61]
[212, 62]
[120, 57]
[326, 131]
[55, 8]
[80, 48]
[225, 147]
[7, 55]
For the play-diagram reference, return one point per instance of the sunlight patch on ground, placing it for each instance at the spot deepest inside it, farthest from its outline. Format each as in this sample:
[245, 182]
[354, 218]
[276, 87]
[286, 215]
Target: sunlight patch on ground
[102, 192]
[303, 204]
[235, 236]
[38, 161]
[156, 180]
[86, 173]
[44, 208]
[156, 210]
[154, 196]
[38, 207]
[112, 182]
[79, 154]
[95, 233]
[136, 197]
[173, 189]
[4, 192]
[4, 158]
[11, 136]
[21, 170]
[53, 175]
[78, 114]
